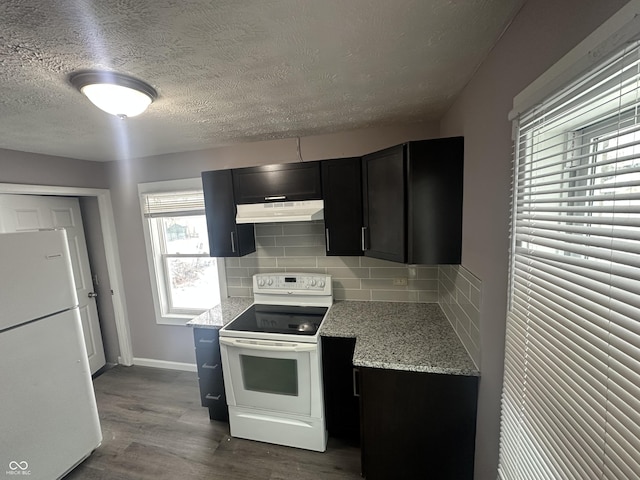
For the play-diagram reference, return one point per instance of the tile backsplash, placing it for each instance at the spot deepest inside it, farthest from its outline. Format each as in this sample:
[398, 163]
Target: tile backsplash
[460, 294]
[300, 246]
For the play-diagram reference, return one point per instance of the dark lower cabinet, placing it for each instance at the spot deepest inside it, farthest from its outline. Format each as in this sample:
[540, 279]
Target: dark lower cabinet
[417, 425]
[341, 396]
[210, 378]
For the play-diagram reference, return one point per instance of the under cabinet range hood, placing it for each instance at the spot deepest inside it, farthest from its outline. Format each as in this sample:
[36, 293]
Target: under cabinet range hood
[302, 211]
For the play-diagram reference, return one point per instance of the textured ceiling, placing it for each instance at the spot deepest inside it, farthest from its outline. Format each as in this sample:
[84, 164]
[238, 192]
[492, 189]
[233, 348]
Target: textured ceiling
[231, 71]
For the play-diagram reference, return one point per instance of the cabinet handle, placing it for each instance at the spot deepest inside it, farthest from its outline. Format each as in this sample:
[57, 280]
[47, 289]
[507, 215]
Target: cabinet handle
[202, 340]
[275, 197]
[326, 234]
[210, 367]
[233, 243]
[356, 382]
[208, 396]
[364, 236]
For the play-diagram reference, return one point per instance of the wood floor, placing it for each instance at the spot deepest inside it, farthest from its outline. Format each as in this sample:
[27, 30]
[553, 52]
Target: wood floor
[154, 428]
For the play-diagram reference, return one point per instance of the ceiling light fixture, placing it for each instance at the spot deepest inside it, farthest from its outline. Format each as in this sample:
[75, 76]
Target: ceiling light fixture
[115, 93]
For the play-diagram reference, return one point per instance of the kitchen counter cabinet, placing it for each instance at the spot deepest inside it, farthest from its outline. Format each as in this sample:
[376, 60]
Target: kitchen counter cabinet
[341, 398]
[342, 193]
[418, 389]
[206, 337]
[209, 363]
[417, 425]
[226, 238]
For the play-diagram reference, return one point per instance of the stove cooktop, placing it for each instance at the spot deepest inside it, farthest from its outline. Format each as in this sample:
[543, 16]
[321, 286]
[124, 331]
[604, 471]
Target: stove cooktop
[287, 319]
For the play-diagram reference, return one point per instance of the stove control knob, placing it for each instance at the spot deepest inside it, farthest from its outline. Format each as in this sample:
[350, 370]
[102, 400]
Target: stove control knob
[270, 281]
[313, 282]
[261, 282]
[321, 283]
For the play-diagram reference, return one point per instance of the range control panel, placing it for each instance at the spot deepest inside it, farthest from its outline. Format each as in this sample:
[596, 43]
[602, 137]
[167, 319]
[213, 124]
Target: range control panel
[292, 283]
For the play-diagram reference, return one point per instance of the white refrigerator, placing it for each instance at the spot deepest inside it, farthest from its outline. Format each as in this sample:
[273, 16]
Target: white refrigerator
[48, 415]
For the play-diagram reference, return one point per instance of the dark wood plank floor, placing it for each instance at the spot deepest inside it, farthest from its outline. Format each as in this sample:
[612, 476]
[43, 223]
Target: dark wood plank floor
[154, 428]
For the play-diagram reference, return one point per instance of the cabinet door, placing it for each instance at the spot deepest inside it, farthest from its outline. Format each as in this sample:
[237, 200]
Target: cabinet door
[435, 175]
[210, 380]
[226, 239]
[384, 184]
[341, 391]
[342, 192]
[417, 425]
[285, 182]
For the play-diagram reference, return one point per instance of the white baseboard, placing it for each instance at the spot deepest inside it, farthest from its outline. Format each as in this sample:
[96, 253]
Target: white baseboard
[150, 362]
[121, 362]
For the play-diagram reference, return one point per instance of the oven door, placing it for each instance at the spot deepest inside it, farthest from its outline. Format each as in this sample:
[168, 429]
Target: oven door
[269, 375]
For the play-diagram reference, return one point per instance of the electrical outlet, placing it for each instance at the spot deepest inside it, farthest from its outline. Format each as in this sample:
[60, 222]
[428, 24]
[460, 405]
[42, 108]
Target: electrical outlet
[400, 281]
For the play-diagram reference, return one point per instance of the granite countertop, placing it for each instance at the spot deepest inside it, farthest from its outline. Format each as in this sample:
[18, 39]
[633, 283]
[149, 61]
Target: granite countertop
[399, 336]
[218, 316]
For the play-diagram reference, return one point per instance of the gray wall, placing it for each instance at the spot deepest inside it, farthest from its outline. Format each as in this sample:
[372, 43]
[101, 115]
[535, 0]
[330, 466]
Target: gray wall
[36, 169]
[541, 34]
[175, 343]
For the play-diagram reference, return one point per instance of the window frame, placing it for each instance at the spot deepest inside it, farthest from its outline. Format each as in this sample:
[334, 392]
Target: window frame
[156, 263]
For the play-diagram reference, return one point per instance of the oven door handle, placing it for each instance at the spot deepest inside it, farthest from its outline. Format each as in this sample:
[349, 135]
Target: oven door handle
[268, 346]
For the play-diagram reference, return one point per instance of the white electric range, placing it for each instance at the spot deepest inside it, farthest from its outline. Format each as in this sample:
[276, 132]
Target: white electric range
[271, 361]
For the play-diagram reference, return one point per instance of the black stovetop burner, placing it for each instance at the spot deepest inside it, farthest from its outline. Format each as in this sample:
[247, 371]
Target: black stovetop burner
[289, 319]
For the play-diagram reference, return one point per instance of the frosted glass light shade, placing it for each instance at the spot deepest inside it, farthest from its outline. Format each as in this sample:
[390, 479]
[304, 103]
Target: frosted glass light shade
[115, 93]
[117, 100]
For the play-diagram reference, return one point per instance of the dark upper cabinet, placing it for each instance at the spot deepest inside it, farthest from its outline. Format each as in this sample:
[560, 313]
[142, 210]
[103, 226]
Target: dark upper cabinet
[342, 192]
[384, 218]
[226, 239]
[412, 199]
[285, 182]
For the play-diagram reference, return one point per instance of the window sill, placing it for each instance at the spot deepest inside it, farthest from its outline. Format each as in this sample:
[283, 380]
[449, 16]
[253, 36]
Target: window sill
[176, 319]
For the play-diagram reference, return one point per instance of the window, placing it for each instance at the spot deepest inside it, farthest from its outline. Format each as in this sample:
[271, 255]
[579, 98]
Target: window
[571, 395]
[185, 279]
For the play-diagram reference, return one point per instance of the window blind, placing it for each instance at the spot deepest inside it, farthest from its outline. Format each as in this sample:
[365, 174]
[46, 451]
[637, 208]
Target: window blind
[173, 204]
[571, 394]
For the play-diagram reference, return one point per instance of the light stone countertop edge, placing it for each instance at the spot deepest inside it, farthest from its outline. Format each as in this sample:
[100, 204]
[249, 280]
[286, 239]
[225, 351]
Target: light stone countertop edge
[218, 316]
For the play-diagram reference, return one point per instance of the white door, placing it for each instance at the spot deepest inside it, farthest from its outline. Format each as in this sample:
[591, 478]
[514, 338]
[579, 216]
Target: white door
[31, 212]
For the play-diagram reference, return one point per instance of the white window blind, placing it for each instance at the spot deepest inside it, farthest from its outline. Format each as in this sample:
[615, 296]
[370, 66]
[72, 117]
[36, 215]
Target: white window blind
[571, 395]
[173, 204]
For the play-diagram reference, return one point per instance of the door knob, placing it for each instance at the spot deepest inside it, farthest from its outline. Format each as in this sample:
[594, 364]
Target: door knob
[92, 295]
